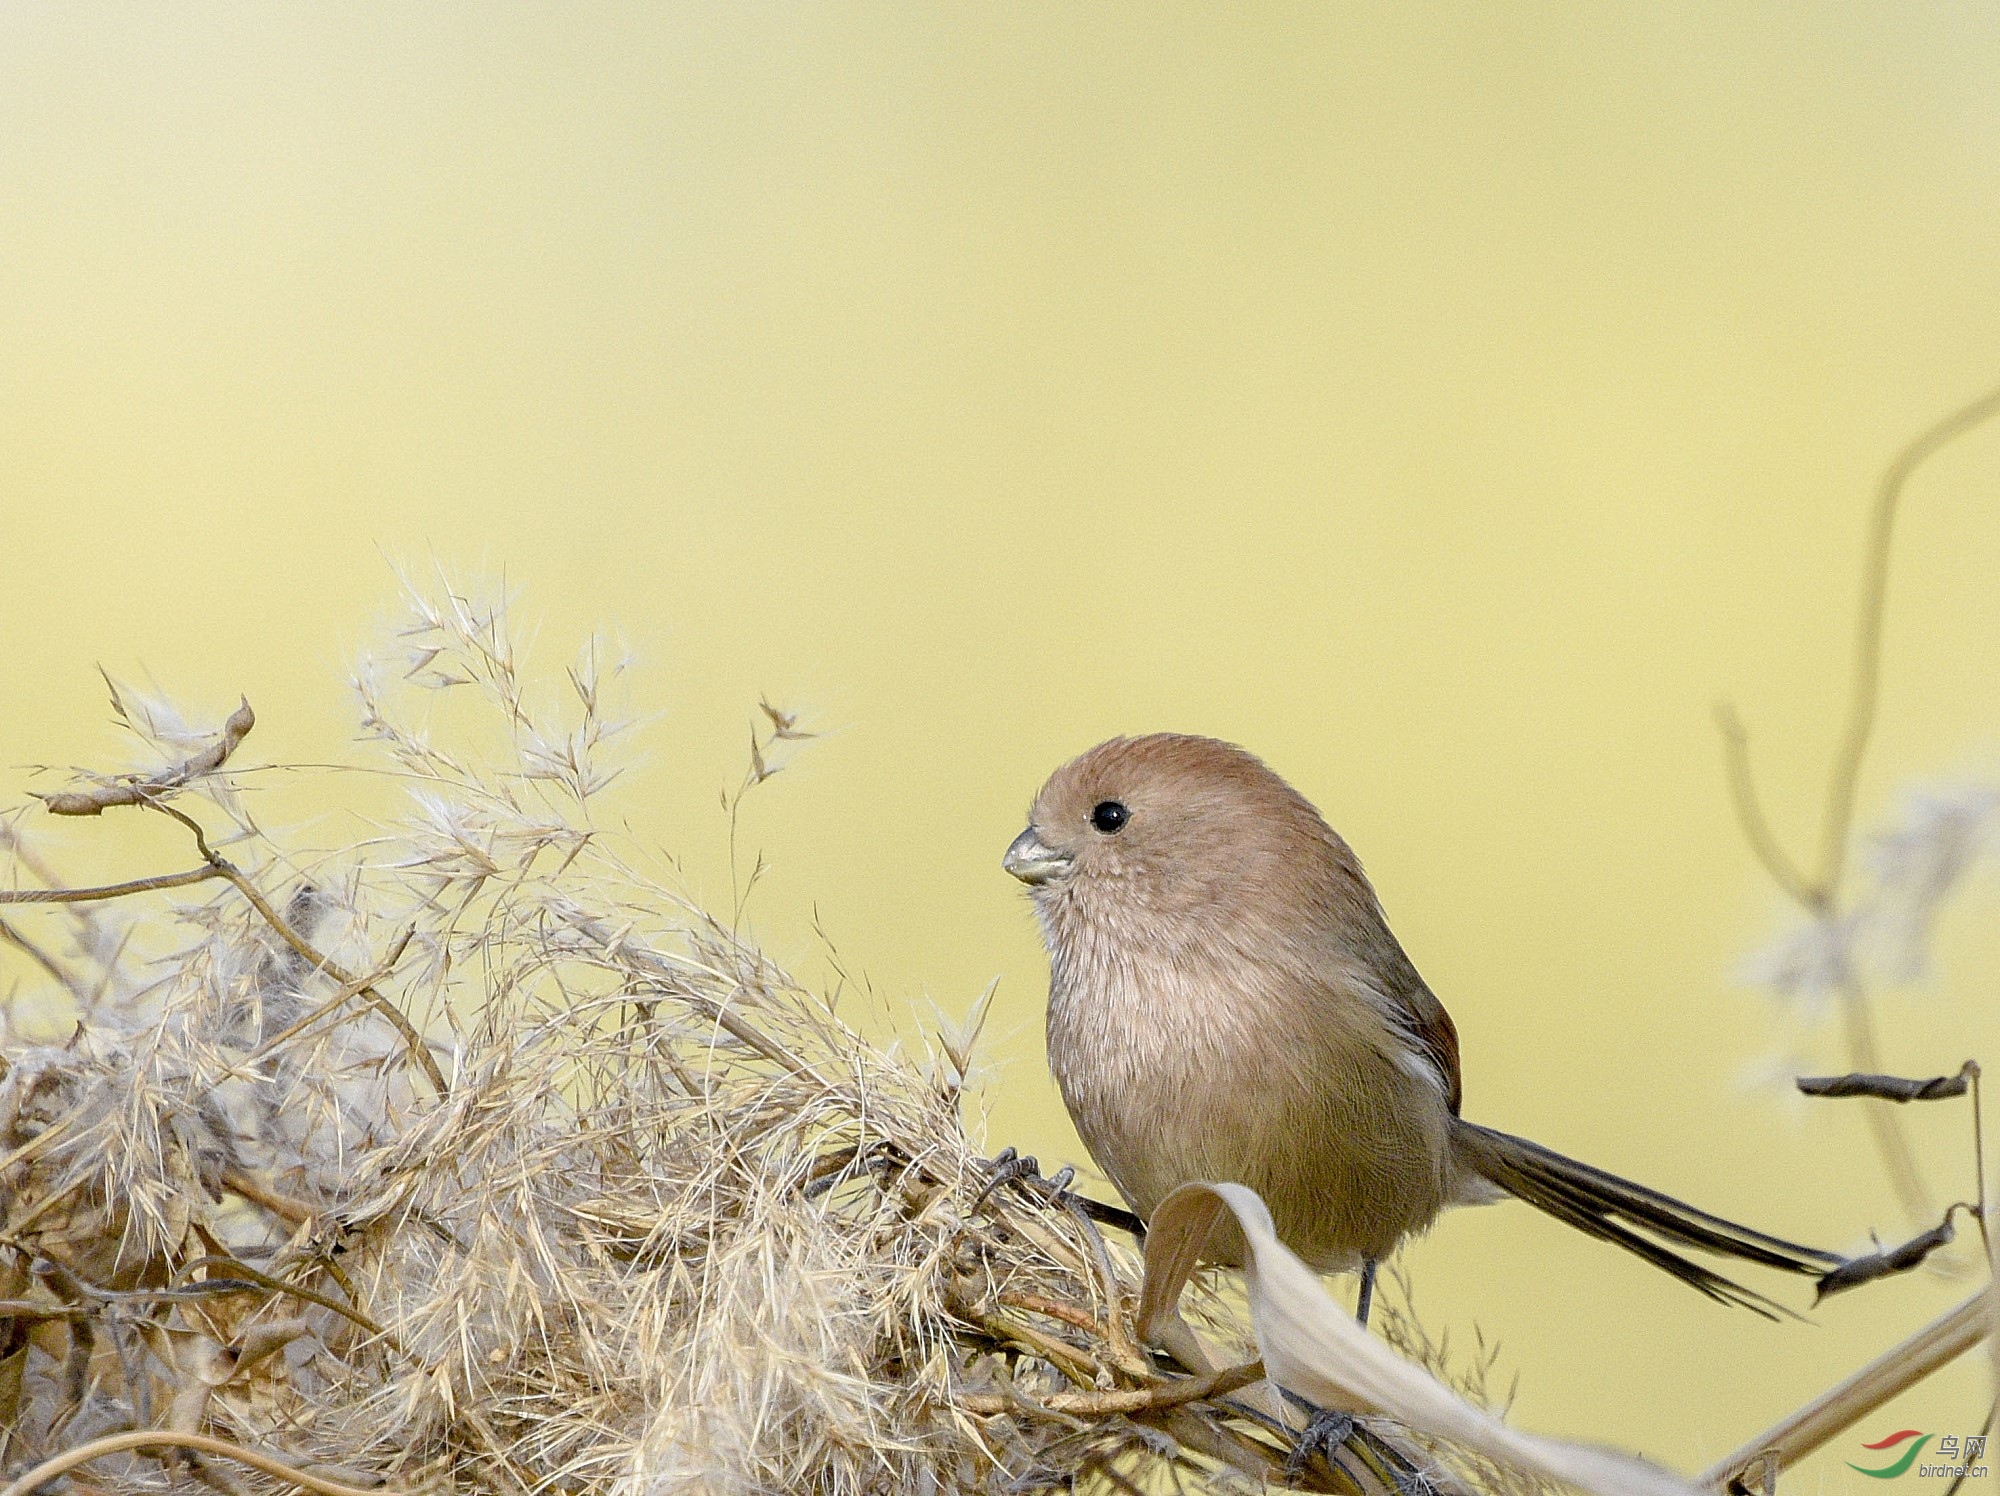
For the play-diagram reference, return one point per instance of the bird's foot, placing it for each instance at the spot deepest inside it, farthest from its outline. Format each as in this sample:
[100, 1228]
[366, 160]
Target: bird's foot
[1012, 1167]
[1336, 1437]
[1326, 1433]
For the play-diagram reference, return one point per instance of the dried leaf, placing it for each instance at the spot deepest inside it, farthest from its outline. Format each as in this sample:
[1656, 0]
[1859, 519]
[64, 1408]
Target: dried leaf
[1313, 1347]
[1898, 1259]
[1886, 1087]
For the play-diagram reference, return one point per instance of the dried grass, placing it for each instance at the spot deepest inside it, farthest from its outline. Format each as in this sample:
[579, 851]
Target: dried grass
[472, 1156]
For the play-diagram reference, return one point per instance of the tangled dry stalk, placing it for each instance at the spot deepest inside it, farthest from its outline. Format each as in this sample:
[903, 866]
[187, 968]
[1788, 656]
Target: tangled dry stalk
[470, 1156]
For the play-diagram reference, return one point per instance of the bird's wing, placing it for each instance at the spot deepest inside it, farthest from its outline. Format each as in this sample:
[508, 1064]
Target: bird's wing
[1431, 1032]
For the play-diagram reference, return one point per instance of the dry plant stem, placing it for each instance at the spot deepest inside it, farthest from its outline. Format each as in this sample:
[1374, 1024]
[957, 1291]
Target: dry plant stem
[1072, 1361]
[1912, 1192]
[282, 1206]
[412, 1040]
[244, 1271]
[1990, 1191]
[648, 967]
[1819, 889]
[40, 957]
[1895, 1371]
[156, 1438]
[223, 868]
[146, 792]
[29, 1309]
[508, 1478]
[1971, 1072]
[1172, 1394]
[1069, 1314]
[1868, 640]
[1749, 813]
[1818, 892]
[1219, 1442]
[109, 890]
[1123, 1350]
[348, 991]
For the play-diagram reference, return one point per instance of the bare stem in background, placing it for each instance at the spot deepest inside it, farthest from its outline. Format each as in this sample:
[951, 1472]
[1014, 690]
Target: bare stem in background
[1818, 891]
[1839, 822]
[1890, 1140]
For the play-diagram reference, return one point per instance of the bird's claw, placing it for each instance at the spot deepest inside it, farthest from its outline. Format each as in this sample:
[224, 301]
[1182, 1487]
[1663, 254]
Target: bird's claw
[1327, 1433]
[1013, 1167]
[1330, 1431]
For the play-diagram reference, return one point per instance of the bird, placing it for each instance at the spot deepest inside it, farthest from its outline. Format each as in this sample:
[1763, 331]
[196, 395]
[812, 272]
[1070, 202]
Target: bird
[1227, 1003]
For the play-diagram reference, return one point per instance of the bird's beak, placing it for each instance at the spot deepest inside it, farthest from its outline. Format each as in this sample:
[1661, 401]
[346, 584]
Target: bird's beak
[1033, 863]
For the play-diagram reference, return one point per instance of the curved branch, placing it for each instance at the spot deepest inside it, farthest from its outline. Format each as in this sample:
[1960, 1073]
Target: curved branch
[146, 1438]
[1868, 633]
[1816, 890]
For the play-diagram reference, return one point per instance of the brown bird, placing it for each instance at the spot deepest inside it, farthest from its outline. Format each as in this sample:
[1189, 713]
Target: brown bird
[1226, 1002]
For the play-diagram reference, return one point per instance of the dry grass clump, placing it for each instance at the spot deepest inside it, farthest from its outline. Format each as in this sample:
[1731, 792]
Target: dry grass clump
[471, 1156]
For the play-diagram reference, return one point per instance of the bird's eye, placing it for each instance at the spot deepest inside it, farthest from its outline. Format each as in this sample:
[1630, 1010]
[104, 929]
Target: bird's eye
[1110, 817]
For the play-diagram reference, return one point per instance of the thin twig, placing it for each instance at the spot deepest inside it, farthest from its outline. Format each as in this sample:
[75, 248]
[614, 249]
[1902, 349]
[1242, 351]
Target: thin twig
[286, 1209]
[1979, 1155]
[145, 792]
[1123, 1349]
[1074, 1362]
[29, 1309]
[412, 1040]
[152, 1438]
[1868, 632]
[67, 980]
[109, 890]
[1969, 1466]
[1073, 1315]
[247, 1273]
[1127, 1400]
[1818, 889]
[347, 993]
[1750, 813]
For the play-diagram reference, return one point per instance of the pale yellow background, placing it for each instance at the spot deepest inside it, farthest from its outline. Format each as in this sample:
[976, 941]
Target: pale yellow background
[1451, 402]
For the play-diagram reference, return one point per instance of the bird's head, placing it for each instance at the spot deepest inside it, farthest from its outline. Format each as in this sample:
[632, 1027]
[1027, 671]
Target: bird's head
[1167, 823]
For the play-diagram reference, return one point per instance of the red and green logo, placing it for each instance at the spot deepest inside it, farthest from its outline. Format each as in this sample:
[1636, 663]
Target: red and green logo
[1903, 1461]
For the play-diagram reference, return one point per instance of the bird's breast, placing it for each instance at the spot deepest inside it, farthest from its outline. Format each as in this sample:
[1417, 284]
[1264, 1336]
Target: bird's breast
[1221, 1066]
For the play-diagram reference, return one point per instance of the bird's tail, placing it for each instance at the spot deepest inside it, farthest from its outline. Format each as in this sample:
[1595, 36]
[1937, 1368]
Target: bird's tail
[1617, 1210]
